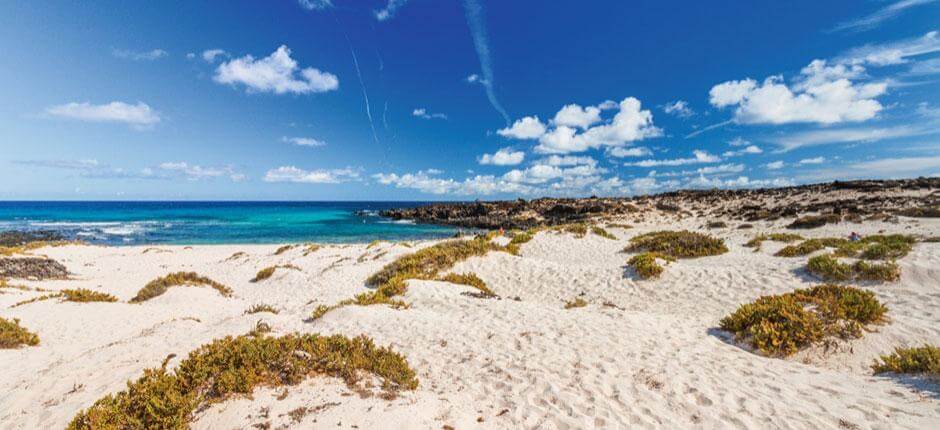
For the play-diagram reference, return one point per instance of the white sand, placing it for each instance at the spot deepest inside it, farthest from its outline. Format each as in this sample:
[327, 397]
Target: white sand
[651, 358]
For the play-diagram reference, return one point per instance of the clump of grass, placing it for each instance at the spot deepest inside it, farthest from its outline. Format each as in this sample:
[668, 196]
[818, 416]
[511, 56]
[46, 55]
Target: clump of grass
[159, 286]
[261, 308]
[576, 303]
[921, 360]
[783, 324]
[469, 279]
[602, 233]
[373, 244]
[646, 266]
[815, 221]
[267, 272]
[311, 248]
[775, 237]
[932, 239]
[619, 225]
[804, 248]
[518, 239]
[428, 262]
[84, 295]
[13, 335]
[284, 249]
[678, 244]
[828, 268]
[717, 224]
[577, 229]
[235, 366]
[237, 255]
[875, 247]
[32, 246]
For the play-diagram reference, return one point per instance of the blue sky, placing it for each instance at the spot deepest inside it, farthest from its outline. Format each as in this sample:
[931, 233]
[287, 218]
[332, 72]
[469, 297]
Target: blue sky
[460, 99]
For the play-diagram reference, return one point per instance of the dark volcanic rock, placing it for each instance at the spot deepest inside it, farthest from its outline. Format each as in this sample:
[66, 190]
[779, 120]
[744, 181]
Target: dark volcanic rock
[32, 268]
[17, 238]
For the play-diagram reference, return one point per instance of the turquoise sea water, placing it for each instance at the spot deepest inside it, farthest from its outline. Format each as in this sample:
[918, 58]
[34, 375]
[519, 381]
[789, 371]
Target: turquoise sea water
[135, 223]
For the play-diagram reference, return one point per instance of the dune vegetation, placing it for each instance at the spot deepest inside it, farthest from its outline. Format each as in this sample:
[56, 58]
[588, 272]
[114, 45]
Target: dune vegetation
[13, 335]
[159, 286]
[924, 360]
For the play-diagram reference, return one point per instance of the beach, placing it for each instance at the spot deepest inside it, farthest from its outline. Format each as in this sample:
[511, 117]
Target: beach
[640, 353]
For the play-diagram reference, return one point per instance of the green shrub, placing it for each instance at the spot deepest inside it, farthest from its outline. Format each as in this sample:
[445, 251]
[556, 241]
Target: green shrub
[678, 244]
[646, 266]
[783, 324]
[922, 360]
[619, 225]
[469, 279]
[263, 274]
[13, 335]
[775, 237]
[159, 286]
[576, 303]
[284, 249]
[83, 295]
[163, 399]
[577, 229]
[885, 272]
[602, 233]
[828, 268]
[815, 221]
[428, 262]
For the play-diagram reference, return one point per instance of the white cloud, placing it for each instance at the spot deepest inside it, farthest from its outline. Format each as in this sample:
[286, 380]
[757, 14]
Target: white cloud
[474, 78]
[566, 160]
[629, 124]
[503, 157]
[423, 113]
[154, 54]
[210, 55]
[750, 149]
[885, 13]
[816, 160]
[315, 4]
[737, 141]
[427, 182]
[699, 157]
[897, 166]
[191, 55]
[277, 73]
[892, 53]
[775, 165]
[139, 115]
[679, 108]
[822, 94]
[529, 127]
[318, 176]
[474, 12]
[195, 172]
[574, 115]
[722, 168]
[388, 12]
[621, 152]
[303, 141]
[849, 135]
[925, 67]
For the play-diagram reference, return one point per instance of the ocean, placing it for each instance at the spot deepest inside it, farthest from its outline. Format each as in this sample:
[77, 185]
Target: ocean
[190, 223]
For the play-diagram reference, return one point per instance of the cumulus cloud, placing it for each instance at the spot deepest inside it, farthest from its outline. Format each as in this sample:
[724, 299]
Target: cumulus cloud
[427, 181]
[637, 151]
[210, 55]
[750, 149]
[679, 108]
[883, 14]
[318, 176]
[138, 116]
[574, 115]
[388, 12]
[816, 160]
[529, 127]
[699, 157]
[154, 54]
[277, 73]
[423, 113]
[566, 160]
[303, 141]
[503, 157]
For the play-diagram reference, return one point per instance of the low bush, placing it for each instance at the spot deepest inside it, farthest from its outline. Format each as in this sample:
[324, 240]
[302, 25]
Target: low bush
[235, 366]
[602, 233]
[828, 268]
[159, 286]
[576, 303]
[468, 279]
[83, 295]
[261, 308]
[428, 262]
[783, 324]
[815, 221]
[678, 244]
[921, 360]
[646, 266]
[263, 274]
[284, 249]
[775, 237]
[13, 335]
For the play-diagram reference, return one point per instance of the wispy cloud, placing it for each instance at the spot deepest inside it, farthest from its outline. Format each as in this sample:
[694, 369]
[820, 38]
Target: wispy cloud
[138, 116]
[388, 12]
[699, 157]
[195, 172]
[474, 11]
[154, 54]
[885, 13]
[679, 108]
[91, 168]
[277, 73]
[303, 141]
[317, 176]
[315, 4]
[423, 113]
[210, 55]
[849, 135]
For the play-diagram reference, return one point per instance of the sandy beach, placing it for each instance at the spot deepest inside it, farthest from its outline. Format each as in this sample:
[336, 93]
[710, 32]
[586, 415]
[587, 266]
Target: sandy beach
[640, 354]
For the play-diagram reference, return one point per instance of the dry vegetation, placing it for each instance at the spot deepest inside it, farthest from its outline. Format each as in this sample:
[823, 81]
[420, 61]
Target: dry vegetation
[775, 237]
[677, 244]
[783, 324]
[159, 286]
[646, 266]
[13, 335]
[828, 268]
[815, 221]
[267, 272]
[261, 308]
[235, 366]
[576, 303]
[469, 279]
[923, 360]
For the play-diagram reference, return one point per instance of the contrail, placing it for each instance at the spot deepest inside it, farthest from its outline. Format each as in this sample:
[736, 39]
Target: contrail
[474, 11]
[365, 94]
[711, 127]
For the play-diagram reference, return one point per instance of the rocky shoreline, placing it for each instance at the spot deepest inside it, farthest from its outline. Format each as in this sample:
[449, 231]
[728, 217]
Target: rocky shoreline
[843, 199]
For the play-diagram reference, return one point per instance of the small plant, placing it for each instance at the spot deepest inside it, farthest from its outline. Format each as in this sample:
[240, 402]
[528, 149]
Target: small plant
[284, 249]
[428, 262]
[263, 274]
[775, 237]
[602, 233]
[922, 360]
[783, 324]
[619, 225]
[576, 303]
[235, 366]
[311, 248]
[13, 335]
[717, 224]
[82, 295]
[518, 239]
[883, 272]
[678, 244]
[261, 308]
[159, 286]
[815, 221]
[469, 279]
[373, 244]
[646, 266]
[827, 268]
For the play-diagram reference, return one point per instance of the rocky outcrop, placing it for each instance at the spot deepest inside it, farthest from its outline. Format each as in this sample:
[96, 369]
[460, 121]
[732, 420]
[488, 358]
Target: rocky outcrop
[18, 238]
[32, 268]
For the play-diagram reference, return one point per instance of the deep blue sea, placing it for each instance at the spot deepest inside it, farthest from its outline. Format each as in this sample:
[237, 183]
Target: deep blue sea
[135, 223]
